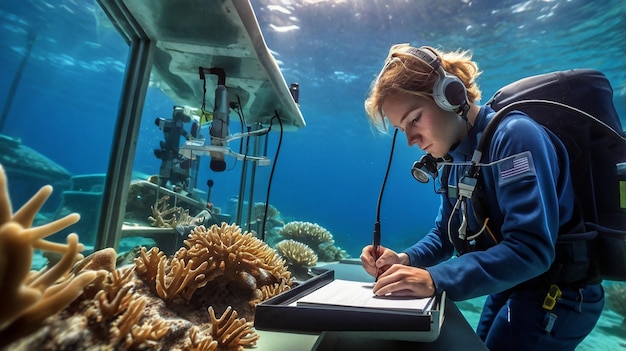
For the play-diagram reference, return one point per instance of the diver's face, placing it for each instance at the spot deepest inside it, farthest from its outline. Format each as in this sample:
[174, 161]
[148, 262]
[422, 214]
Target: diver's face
[424, 123]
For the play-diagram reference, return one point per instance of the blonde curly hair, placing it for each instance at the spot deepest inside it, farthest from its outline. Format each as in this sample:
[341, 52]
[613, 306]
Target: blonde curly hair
[403, 72]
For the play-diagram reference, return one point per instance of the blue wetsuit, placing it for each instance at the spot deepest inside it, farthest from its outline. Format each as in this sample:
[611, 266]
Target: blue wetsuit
[530, 196]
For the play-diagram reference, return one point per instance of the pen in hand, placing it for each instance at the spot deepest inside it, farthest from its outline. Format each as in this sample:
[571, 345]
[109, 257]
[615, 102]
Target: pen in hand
[376, 245]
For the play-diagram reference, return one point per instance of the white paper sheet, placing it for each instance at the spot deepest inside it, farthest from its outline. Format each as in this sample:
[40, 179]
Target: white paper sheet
[347, 293]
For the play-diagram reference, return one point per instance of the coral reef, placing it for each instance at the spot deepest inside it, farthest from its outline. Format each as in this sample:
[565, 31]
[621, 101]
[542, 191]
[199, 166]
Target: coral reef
[28, 298]
[299, 257]
[273, 222]
[156, 303]
[258, 211]
[316, 237]
[164, 216]
[236, 263]
[308, 233]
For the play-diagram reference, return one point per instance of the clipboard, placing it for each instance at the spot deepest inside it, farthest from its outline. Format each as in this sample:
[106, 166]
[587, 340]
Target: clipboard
[282, 313]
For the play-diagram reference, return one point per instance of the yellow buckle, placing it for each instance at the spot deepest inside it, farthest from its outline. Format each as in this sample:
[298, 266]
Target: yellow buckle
[550, 301]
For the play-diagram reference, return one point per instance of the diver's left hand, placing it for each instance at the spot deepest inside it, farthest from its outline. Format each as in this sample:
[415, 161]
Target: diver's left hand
[401, 280]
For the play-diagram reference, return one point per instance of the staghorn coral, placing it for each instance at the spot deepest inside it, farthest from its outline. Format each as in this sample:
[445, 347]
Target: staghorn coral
[148, 333]
[200, 344]
[230, 332]
[110, 306]
[179, 278]
[234, 258]
[113, 295]
[28, 298]
[130, 316]
[316, 237]
[221, 261]
[165, 217]
[227, 333]
[269, 291]
[148, 263]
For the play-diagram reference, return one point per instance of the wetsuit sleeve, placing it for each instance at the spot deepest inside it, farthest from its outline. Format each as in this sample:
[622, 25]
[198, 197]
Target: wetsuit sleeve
[529, 209]
[435, 247]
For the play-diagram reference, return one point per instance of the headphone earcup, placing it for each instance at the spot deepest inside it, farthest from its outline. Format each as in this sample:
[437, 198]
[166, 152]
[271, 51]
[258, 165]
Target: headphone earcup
[449, 91]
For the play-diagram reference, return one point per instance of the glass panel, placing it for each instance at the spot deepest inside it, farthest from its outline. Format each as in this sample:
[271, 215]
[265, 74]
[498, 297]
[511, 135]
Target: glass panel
[63, 68]
[174, 189]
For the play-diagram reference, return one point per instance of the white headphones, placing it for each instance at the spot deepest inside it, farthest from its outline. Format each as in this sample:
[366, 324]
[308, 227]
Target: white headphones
[449, 91]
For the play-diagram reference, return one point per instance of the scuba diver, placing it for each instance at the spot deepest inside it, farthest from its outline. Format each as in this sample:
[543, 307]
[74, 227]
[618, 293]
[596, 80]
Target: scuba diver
[512, 255]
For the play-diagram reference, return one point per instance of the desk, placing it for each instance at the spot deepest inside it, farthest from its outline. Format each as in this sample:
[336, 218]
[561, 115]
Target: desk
[456, 333]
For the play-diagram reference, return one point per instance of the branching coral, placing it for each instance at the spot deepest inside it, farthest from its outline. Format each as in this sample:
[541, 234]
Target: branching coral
[198, 343]
[108, 307]
[230, 332]
[153, 304]
[217, 264]
[148, 263]
[114, 294]
[269, 291]
[227, 333]
[165, 217]
[126, 327]
[148, 333]
[131, 315]
[28, 299]
[173, 278]
[229, 252]
[177, 278]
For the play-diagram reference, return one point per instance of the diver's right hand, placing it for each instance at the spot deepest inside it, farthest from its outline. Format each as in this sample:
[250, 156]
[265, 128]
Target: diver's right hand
[386, 258]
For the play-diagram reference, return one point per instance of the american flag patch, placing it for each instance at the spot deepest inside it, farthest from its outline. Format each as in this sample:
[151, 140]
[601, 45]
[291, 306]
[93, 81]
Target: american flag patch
[515, 167]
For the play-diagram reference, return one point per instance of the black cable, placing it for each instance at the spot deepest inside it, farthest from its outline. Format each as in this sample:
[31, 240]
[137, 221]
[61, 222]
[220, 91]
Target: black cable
[269, 182]
[242, 119]
[376, 234]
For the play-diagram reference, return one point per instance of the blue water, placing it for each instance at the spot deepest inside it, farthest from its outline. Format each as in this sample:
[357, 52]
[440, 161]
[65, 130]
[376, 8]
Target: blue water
[330, 171]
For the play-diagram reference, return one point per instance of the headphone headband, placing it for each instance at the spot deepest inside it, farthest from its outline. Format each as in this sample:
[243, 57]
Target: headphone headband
[426, 55]
[448, 91]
